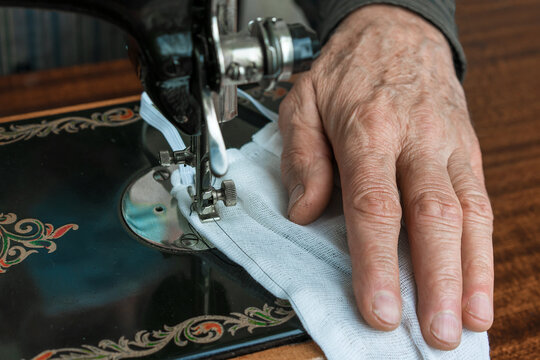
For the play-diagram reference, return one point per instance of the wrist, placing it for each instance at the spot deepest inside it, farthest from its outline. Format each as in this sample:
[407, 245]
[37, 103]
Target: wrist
[393, 30]
[398, 18]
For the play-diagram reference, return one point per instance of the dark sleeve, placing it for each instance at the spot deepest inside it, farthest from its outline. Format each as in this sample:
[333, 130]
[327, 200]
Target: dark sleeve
[325, 15]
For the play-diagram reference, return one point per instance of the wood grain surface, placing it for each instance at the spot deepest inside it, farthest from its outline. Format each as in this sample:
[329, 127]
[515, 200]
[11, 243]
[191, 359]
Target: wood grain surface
[56, 88]
[502, 42]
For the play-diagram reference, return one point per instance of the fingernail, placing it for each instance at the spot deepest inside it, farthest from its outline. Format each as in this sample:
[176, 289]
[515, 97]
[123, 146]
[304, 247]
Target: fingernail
[446, 327]
[296, 194]
[479, 306]
[386, 308]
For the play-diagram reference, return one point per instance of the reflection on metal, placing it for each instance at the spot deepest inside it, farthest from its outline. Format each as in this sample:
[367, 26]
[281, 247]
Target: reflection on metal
[151, 213]
[200, 330]
[27, 236]
[72, 124]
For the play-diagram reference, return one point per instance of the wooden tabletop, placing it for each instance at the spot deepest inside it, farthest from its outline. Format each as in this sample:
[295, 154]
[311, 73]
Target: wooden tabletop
[502, 42]
[501, 39]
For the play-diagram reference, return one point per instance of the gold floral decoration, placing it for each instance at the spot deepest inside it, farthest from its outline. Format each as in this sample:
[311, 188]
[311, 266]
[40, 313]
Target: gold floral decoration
[201, 330]
[27, 236]
[72, 124]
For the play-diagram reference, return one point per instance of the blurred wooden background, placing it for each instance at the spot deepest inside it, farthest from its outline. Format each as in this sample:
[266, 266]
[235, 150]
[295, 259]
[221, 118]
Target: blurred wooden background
[502, 43]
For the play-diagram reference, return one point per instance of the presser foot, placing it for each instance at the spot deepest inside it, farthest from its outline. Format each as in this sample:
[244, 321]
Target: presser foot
[208, 213]
[204, 197]
[206, 208]
[151, 213]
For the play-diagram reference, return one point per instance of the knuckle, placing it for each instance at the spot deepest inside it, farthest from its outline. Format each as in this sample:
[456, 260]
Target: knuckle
[428, 121]
[476, 207]
[380, 203]
[295, 158]
[379, 264]
[379, 123]
[424, 110]
[479, 270]
[372, 114]
[447, 282]
[380, 260]
[435, 206]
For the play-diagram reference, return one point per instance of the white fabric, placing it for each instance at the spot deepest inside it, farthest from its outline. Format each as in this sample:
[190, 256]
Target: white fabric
[307, 265]
[310, 265]
[155, 118]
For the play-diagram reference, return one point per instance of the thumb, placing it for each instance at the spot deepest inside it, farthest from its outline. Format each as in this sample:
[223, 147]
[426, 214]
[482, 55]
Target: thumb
[306, 161]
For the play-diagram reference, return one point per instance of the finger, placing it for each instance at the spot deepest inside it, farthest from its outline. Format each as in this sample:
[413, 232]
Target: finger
[476, 245]
[306, 165]
[434, 224]
[373, 216]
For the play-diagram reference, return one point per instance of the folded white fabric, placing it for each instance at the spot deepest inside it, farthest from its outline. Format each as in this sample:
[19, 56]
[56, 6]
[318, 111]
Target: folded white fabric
[155, 118]
[310, 265]
[307, 265]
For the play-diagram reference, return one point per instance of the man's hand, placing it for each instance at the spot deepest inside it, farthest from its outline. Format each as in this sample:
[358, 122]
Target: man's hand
[384, 101]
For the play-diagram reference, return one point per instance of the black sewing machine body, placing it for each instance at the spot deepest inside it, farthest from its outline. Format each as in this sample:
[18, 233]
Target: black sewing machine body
[80, 280]
[104, 293]
[160, 46]
[177, 52]
[190, 59]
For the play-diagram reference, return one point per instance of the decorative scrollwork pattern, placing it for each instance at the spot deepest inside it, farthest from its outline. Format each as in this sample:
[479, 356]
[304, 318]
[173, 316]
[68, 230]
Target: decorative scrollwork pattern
[27, 236]
[201, 330]
[72, 124]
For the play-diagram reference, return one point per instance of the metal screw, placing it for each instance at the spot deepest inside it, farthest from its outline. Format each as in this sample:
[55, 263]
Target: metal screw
[234, 71]
[188, 240]
[227, 193]
[251, 71]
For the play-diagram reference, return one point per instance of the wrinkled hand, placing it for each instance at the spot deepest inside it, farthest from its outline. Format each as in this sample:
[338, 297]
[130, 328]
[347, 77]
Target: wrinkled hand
[384, 101]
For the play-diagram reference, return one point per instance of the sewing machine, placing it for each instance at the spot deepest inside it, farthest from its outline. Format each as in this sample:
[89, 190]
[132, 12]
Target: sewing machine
[190, 60]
